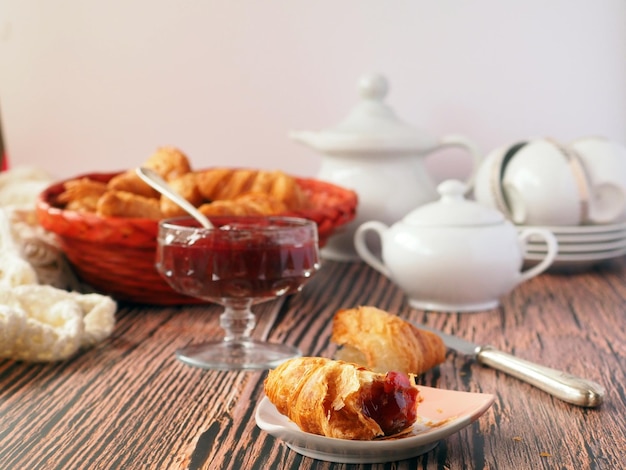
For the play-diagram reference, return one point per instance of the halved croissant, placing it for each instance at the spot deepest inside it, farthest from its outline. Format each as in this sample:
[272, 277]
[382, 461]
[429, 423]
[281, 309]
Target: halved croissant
[381, 341]
[339, 399]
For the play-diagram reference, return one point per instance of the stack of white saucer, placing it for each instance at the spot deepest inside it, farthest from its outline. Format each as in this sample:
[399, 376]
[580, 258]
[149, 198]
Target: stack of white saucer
[580, 246]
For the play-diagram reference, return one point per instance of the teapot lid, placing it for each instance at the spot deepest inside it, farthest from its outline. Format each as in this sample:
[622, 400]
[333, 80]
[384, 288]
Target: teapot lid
[453, 210]
[371, 126]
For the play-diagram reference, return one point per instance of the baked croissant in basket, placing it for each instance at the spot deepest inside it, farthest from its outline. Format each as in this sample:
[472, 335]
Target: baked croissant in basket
[169, 162]
[82, 194]
[215, 192]
[229, 183]
[187, 186]
[246, 204]
[125, 204]
[381, 341]
[339, 399]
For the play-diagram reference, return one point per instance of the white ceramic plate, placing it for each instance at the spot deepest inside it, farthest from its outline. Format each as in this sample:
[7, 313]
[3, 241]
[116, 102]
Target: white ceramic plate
[582, 237]
[574, 262]
[590, 256]
[580, 229]
[566, 248]
[440, 414]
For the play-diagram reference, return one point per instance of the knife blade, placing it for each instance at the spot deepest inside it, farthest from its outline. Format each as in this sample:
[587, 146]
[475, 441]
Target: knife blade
[562, 385]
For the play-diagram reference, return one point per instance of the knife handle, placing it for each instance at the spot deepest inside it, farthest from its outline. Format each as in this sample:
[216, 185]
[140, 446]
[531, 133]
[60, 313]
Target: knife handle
[562, 385]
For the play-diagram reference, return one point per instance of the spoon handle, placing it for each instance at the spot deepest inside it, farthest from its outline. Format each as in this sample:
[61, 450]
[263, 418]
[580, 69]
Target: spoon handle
[155, 180]
[562, 385]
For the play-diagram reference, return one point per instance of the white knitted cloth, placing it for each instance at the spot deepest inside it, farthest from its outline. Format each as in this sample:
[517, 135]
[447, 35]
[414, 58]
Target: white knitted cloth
[42, 316]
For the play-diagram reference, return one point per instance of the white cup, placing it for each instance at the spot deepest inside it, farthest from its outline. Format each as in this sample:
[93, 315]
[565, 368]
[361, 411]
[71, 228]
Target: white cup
[487, 185]
[545, 184]
[605, 162]
[535, 182]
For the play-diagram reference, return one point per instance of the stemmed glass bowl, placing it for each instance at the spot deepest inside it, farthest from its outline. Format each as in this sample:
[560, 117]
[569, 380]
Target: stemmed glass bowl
[239, 262]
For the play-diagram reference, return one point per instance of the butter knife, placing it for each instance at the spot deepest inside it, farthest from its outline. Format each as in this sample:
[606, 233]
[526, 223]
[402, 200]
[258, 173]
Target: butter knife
[566, 387]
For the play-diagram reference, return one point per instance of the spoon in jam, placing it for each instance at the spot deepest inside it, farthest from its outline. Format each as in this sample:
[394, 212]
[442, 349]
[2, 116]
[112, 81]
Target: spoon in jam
[155, 180]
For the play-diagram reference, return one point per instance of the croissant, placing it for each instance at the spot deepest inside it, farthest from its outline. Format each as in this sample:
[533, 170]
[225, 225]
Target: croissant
[228, 183]
[169, 162]
[246, 204]
[339, 399]
[124, 204]
[82, 194]
[130, 182]
[187, 186]
[381, 341]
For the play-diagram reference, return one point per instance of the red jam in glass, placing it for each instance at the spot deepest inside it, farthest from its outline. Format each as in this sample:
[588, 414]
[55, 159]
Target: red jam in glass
[392, 403]
[237, 264]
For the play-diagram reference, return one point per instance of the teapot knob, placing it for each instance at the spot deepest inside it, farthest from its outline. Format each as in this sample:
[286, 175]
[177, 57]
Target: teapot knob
[452, 190]
[373, 87]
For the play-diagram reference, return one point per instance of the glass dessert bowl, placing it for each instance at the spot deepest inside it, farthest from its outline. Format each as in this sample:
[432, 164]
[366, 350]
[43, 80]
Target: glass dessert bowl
[240, 262]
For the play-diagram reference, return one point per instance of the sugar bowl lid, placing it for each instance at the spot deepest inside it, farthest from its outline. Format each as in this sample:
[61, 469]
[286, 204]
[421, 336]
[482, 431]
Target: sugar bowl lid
[371, 126]
[453, 210]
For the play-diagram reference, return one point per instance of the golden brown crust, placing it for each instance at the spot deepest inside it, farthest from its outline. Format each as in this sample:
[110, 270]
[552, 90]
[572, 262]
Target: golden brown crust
[130, 182]
[82, 194]
[229, 183]
[322, 397]
[247, 204]
[382, 342]
[82, 205]
[218, 191]
[187, 187]
[169, 162]
[124, 204]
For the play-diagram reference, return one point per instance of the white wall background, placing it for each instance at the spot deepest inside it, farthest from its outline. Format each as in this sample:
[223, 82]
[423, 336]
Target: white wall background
[90, 85]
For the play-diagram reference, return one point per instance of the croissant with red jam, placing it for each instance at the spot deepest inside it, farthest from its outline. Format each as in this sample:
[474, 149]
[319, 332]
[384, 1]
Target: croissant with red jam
[342, 400]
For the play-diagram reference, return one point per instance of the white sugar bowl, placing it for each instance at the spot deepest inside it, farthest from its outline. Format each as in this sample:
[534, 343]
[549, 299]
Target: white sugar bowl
[453, 254]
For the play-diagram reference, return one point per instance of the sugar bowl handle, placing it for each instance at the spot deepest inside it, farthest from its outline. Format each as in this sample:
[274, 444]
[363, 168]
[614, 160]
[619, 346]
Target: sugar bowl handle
[362, 249]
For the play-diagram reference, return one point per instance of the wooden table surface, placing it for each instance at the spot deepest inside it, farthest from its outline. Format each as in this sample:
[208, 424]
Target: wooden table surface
[130, 404]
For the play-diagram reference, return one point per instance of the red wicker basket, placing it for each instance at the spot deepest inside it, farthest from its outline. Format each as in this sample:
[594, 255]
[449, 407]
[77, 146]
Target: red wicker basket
[116, 255]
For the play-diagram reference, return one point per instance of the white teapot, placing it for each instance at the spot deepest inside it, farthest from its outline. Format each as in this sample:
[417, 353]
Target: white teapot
[453, 254]
[379, 157]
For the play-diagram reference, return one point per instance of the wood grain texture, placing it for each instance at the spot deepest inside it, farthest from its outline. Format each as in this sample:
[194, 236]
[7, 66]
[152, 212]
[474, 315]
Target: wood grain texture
[129, 404]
